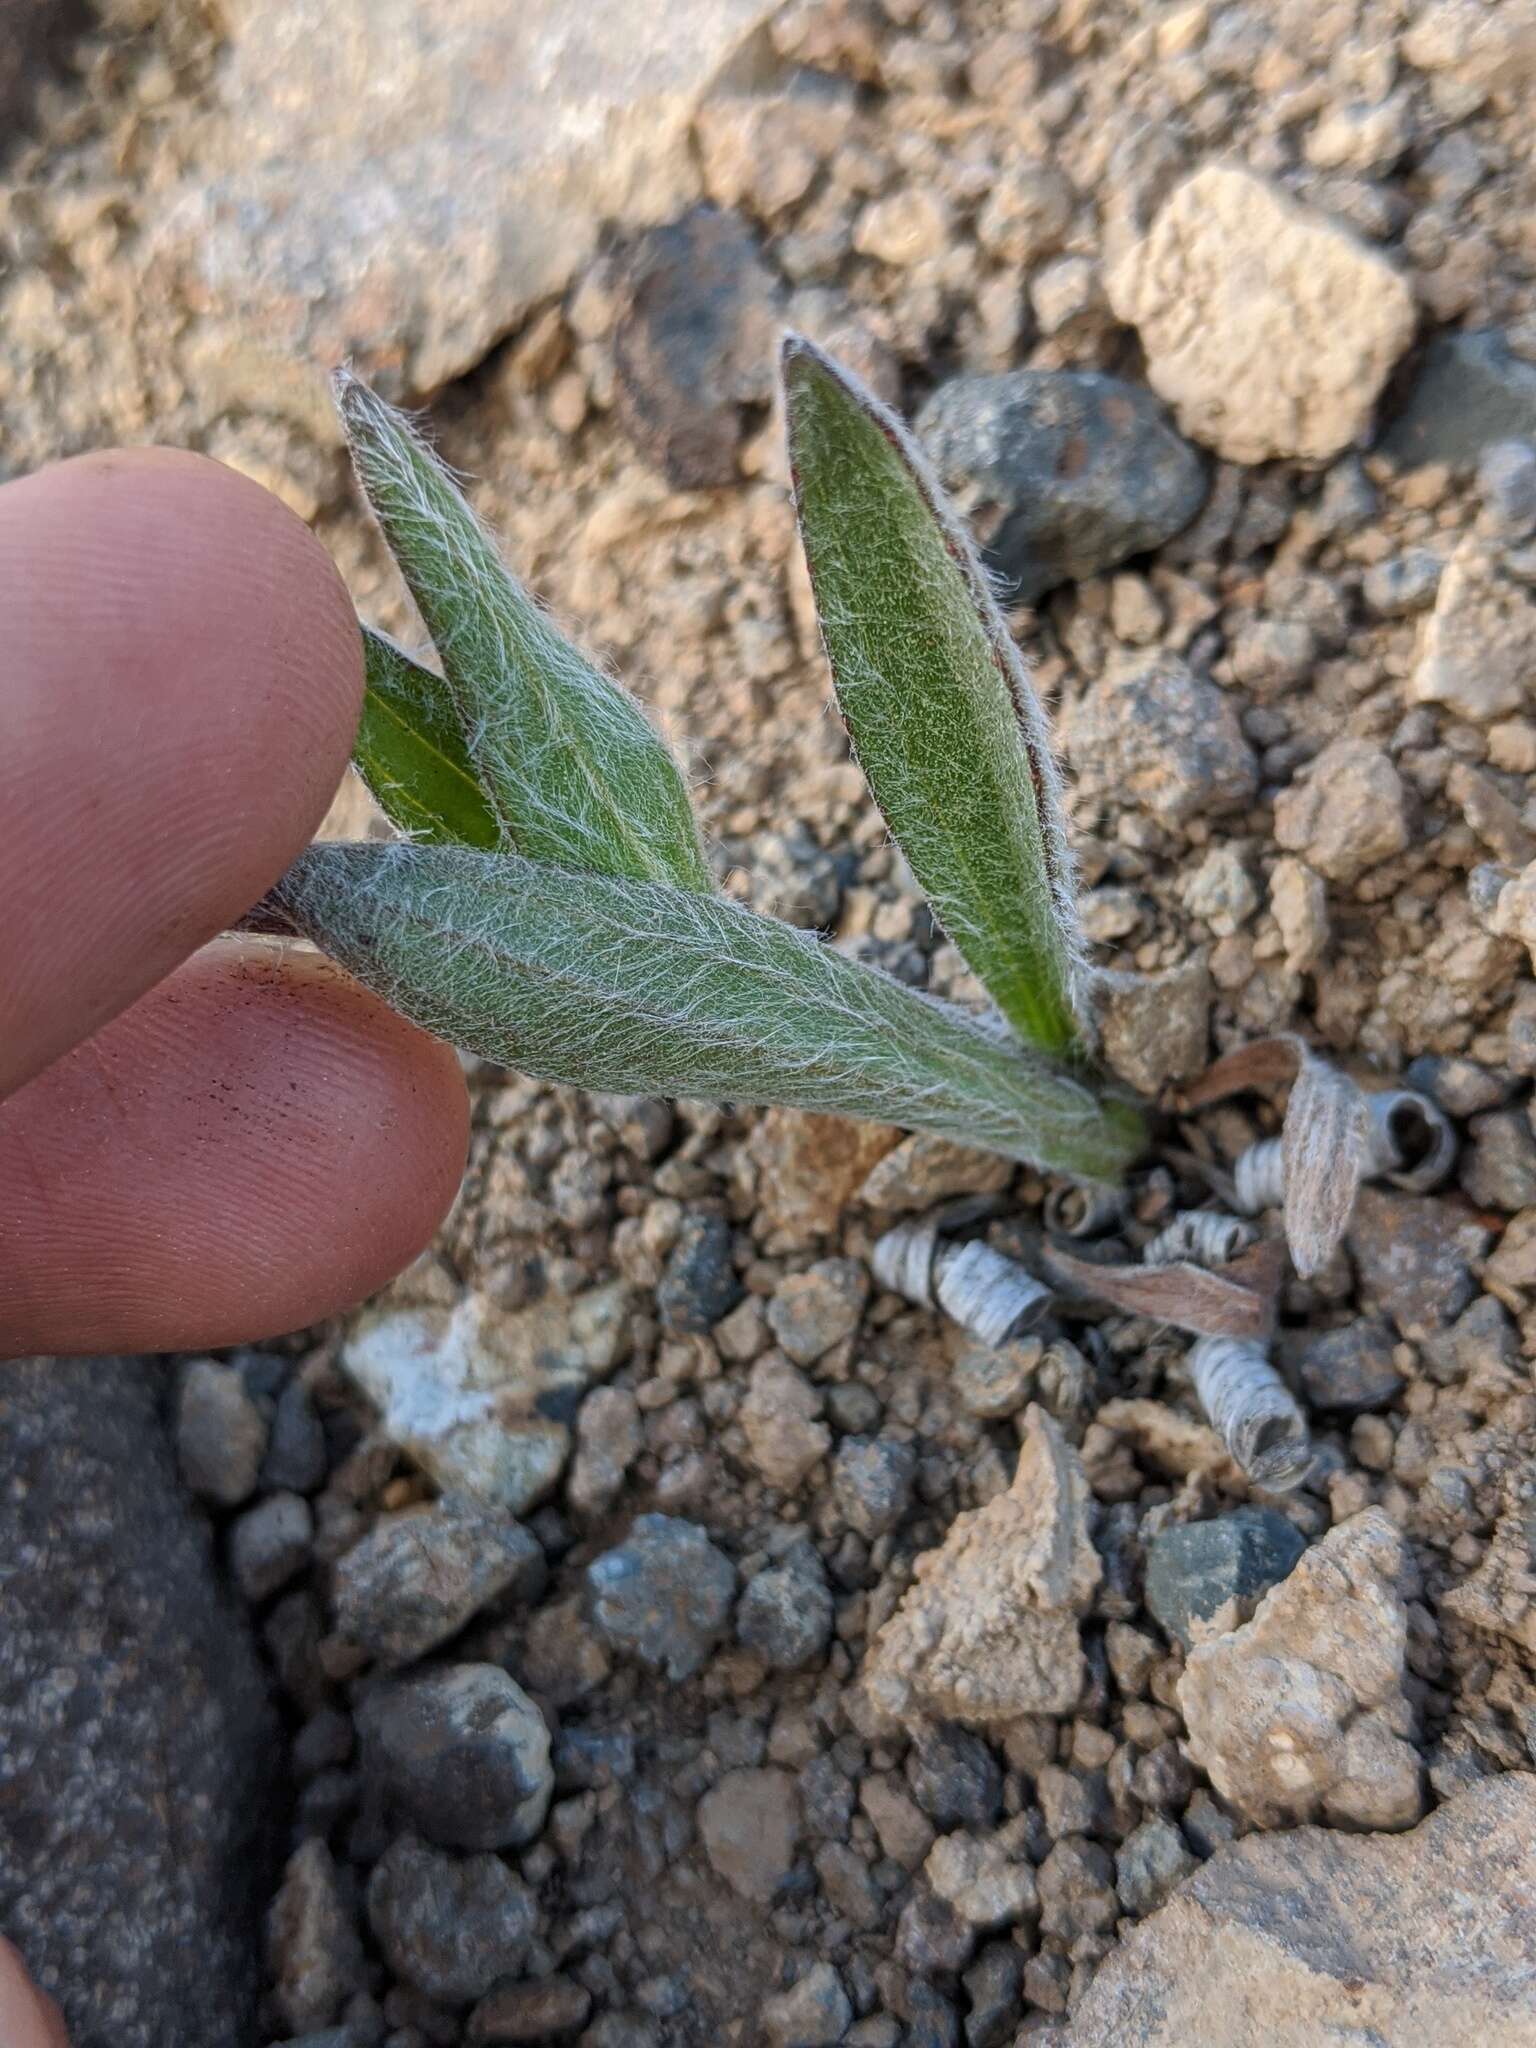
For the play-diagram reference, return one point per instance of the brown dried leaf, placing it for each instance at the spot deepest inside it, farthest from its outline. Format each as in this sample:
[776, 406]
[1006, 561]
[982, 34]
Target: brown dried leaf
[1267, 1063]
[1324, 1143]
[1235, 1302]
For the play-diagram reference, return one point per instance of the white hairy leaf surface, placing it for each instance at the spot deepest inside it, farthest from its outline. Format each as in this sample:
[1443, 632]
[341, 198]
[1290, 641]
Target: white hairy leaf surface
[567, 759]
[938, 703]
[642, 988]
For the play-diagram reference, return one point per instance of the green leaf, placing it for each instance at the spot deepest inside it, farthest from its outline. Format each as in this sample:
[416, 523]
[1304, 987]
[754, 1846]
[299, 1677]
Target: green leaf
[410, 752]
[939, 706]
[641, 988]
[570, 764]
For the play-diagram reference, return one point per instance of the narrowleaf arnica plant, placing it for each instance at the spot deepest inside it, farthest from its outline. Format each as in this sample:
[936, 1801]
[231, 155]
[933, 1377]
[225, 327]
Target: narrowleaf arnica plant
[549, 905]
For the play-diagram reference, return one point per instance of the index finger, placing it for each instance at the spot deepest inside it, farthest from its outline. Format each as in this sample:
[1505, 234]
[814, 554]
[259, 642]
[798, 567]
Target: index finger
[180, 683]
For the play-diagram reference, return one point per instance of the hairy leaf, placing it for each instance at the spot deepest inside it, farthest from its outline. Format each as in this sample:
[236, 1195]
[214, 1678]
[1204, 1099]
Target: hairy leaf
[568, 760]
[411, 753]
[939, 706]
[641, 988]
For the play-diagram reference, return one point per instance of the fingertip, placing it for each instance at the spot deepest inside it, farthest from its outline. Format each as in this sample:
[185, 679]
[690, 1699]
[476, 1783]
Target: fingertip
[27, 2018]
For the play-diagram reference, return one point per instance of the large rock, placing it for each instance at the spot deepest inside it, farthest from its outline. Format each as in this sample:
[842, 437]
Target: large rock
[1269, 328]
[484, 1399]
[141, 1798]
[1076, 471]
[1288, 1941]
[457, 165]
[989, 1628]
[1301, 1714]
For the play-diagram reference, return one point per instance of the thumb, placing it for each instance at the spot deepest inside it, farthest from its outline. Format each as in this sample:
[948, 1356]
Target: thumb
[27, 2019]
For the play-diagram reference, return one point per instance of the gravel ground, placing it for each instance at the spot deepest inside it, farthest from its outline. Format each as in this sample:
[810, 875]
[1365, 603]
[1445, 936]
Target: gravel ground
[770, 1661]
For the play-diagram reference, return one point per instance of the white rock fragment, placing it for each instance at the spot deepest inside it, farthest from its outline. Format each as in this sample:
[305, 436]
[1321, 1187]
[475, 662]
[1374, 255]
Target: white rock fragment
[1477, 648]
[1268, 327]
[480, 1397]
[1300, 1714]
[989, 1628]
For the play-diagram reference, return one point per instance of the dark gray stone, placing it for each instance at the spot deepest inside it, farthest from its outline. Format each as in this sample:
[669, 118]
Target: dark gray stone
[931, 1938]
[700, 1284]
[663, 1595]
[872, 1482]
[955, 1778]
[1470, 390]
[1506, 483]
[1351, 1369]
[418, 1576]
[141, 1789]
[993, 1984]
[785, 1614]
[449, 1925]
[1062, 472]
[1499, 1169]
[1151, 1861]
[269, 1544]
[462, 1753]
[295, 1461]
[1195, 1568]
[587, 1757]
[694, 343]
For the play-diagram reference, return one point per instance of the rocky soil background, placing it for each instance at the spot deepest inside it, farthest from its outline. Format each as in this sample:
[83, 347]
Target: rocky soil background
[677, 1639]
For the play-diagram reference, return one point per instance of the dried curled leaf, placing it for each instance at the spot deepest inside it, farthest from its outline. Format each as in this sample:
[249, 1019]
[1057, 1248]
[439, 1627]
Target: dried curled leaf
[939, 706]
[1324, 1144]
[1266, 1063]
[1239, 1301]
[411, 753]
[569, 763]
[641, 988]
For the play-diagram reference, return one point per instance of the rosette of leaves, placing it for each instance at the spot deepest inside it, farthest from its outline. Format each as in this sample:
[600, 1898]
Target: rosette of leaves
[549, 904]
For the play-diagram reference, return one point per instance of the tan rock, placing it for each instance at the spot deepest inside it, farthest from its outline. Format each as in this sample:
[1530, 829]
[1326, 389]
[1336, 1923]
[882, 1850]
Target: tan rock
[989, 1628]
[809, 1168]
[1477, 648]
[1421, 1940]
[924, 1169]
[1301, 1714]
[1299, 900]
[1350, 813]
[1499, 1598]
[778, 1419]
[1268, 327]
[985, 1886]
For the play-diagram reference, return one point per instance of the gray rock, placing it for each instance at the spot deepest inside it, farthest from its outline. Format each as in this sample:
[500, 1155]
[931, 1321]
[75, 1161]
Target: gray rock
[609, 1438]
[539, 2010]
[1337, 1936]
[814, 2013]
[1469, 391]
[931, 1938]
[663, 1595]
[872, 1482]
[142, 1786]
[1151, 1861]
[1506, 483]
[1403, 583]
[993, 1985]
[954, 1776]
[1077, 471]
[449, 1925]
[269, 1543]
[313, 1949]
[749, 1824]
[277, 234]
[1352, 1369]
[850, 1889]
[1156, 1028]
[295, 1460]
[418, 1576]
[700, 1284]
[1499, 1170]
[1152, 735]
[463, 1754]
[694, 344]
[785, 1614]
[221, 1434]
[994, 1381]
[1412, 1255]
[1195, 1569]
[1077, 1890]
